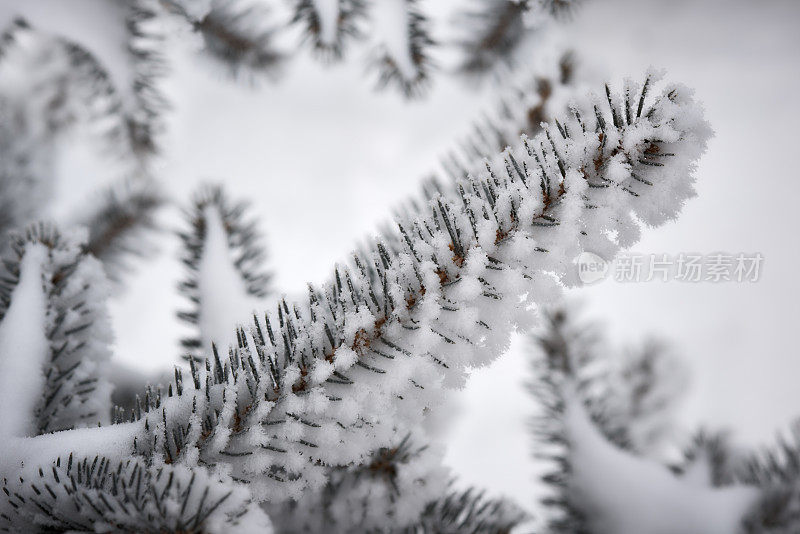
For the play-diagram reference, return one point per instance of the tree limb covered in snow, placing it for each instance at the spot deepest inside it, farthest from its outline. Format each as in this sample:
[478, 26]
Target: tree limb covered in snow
[330, 381]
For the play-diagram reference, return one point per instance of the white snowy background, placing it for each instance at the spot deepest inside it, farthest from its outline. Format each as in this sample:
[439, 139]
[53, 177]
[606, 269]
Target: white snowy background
[324, 159]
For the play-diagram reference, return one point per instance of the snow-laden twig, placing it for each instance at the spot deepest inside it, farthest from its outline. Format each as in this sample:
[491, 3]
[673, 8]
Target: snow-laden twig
[329, 381]
[598, 480]
[630, 394]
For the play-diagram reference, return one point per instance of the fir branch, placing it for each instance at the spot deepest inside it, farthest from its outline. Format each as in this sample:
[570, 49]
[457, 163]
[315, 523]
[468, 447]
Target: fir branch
[625, 400]
[378, 320]
[585, 461]
[585, 433]
[629, 394]
[329, 381]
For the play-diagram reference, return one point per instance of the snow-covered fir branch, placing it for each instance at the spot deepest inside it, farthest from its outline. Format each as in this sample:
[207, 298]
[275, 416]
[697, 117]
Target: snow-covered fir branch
[120, 65]
[630, 394]
[331, 381]
[599, 479]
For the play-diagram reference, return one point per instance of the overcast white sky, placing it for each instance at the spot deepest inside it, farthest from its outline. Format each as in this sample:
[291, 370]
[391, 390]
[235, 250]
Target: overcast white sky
[324, 159]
